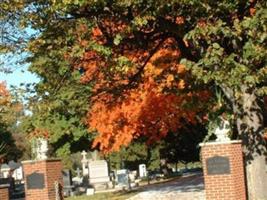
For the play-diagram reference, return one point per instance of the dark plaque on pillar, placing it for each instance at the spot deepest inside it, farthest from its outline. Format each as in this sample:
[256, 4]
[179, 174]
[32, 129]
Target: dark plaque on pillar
[218, 165]
[35, 181]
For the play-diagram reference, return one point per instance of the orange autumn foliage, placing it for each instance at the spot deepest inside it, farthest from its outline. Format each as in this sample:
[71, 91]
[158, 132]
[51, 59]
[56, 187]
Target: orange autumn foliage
[4, 95]
[144, 111]
[40, 133]
[8, 108]
[147, 98]
[3, 90]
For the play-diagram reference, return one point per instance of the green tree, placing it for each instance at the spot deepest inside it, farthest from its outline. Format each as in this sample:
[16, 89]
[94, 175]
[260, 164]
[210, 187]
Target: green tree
[222, 44]
[59, 112]
[138, 152]
[183, 145]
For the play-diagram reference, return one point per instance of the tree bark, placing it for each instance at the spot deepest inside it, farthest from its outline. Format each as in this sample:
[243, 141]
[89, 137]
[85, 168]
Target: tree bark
[250, 124]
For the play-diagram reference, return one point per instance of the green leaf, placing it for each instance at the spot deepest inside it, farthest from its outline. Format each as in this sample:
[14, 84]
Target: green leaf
[117, 39]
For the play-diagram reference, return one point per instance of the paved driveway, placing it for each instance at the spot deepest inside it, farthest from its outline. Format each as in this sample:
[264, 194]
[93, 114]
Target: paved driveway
[189, 187]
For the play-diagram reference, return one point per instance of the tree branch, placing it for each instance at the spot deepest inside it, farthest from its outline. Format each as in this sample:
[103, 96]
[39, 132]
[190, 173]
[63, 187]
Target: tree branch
[228, 92]
[134, 78]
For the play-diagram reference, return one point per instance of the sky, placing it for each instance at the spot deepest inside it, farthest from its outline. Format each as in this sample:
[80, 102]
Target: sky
[19, 72]
[18, 77]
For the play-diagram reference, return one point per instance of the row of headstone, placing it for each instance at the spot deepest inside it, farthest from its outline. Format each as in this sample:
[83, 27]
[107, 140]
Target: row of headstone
[95, 176]
[12, 169]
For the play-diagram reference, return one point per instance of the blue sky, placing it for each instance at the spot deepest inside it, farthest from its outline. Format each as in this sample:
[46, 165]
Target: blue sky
[19, 73]
[18, 77]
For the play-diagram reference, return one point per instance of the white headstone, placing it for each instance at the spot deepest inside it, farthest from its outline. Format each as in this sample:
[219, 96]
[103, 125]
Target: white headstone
[4, 170]
[18, 174]
[142, 170]
[84, 162]
[98, 171]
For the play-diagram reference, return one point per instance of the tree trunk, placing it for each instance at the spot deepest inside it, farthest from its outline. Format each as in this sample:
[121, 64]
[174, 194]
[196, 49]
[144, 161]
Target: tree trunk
[250, 126]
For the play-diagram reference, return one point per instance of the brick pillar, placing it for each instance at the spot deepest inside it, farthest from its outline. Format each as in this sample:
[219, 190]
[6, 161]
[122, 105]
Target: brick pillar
[40, 177]
[223, 170]
[4, 193]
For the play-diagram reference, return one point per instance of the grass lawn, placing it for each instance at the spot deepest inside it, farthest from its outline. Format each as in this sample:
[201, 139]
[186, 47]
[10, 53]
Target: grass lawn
[121, 195]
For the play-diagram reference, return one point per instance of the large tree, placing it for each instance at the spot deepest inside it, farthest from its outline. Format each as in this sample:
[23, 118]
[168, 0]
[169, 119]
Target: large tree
[132, 50]
[58, 103]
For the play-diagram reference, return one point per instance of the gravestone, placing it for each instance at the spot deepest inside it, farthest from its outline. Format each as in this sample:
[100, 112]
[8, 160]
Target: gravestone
[4, 170]
[84, 162]
[132, 175]
[67, 182]
[12, 168]
[98, 172]
[18, 174]
[142, 170]
[67, 177]
[95, 172]
[77, 180]
[122, 178]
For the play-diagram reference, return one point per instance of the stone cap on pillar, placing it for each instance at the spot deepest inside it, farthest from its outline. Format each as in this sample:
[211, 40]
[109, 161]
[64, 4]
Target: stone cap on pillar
[36, 161]
[4, 186]
[220, 142]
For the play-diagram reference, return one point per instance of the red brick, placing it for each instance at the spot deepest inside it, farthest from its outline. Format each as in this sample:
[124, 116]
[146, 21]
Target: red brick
[52, 170]
[227, 186]
[4, 195]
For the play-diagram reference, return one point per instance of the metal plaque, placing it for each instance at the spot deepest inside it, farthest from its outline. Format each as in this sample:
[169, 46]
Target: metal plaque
[218, 165]
[35, 181]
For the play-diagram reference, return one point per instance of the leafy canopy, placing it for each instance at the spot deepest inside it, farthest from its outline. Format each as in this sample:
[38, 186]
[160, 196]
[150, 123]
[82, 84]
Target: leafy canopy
[135, 56]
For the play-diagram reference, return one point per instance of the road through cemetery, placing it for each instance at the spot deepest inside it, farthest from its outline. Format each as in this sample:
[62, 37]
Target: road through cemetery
[188, 187]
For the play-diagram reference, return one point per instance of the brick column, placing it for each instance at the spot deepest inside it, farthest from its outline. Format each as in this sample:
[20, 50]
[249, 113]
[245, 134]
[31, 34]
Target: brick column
[50, 171]
[223, 170]
[4, 193]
